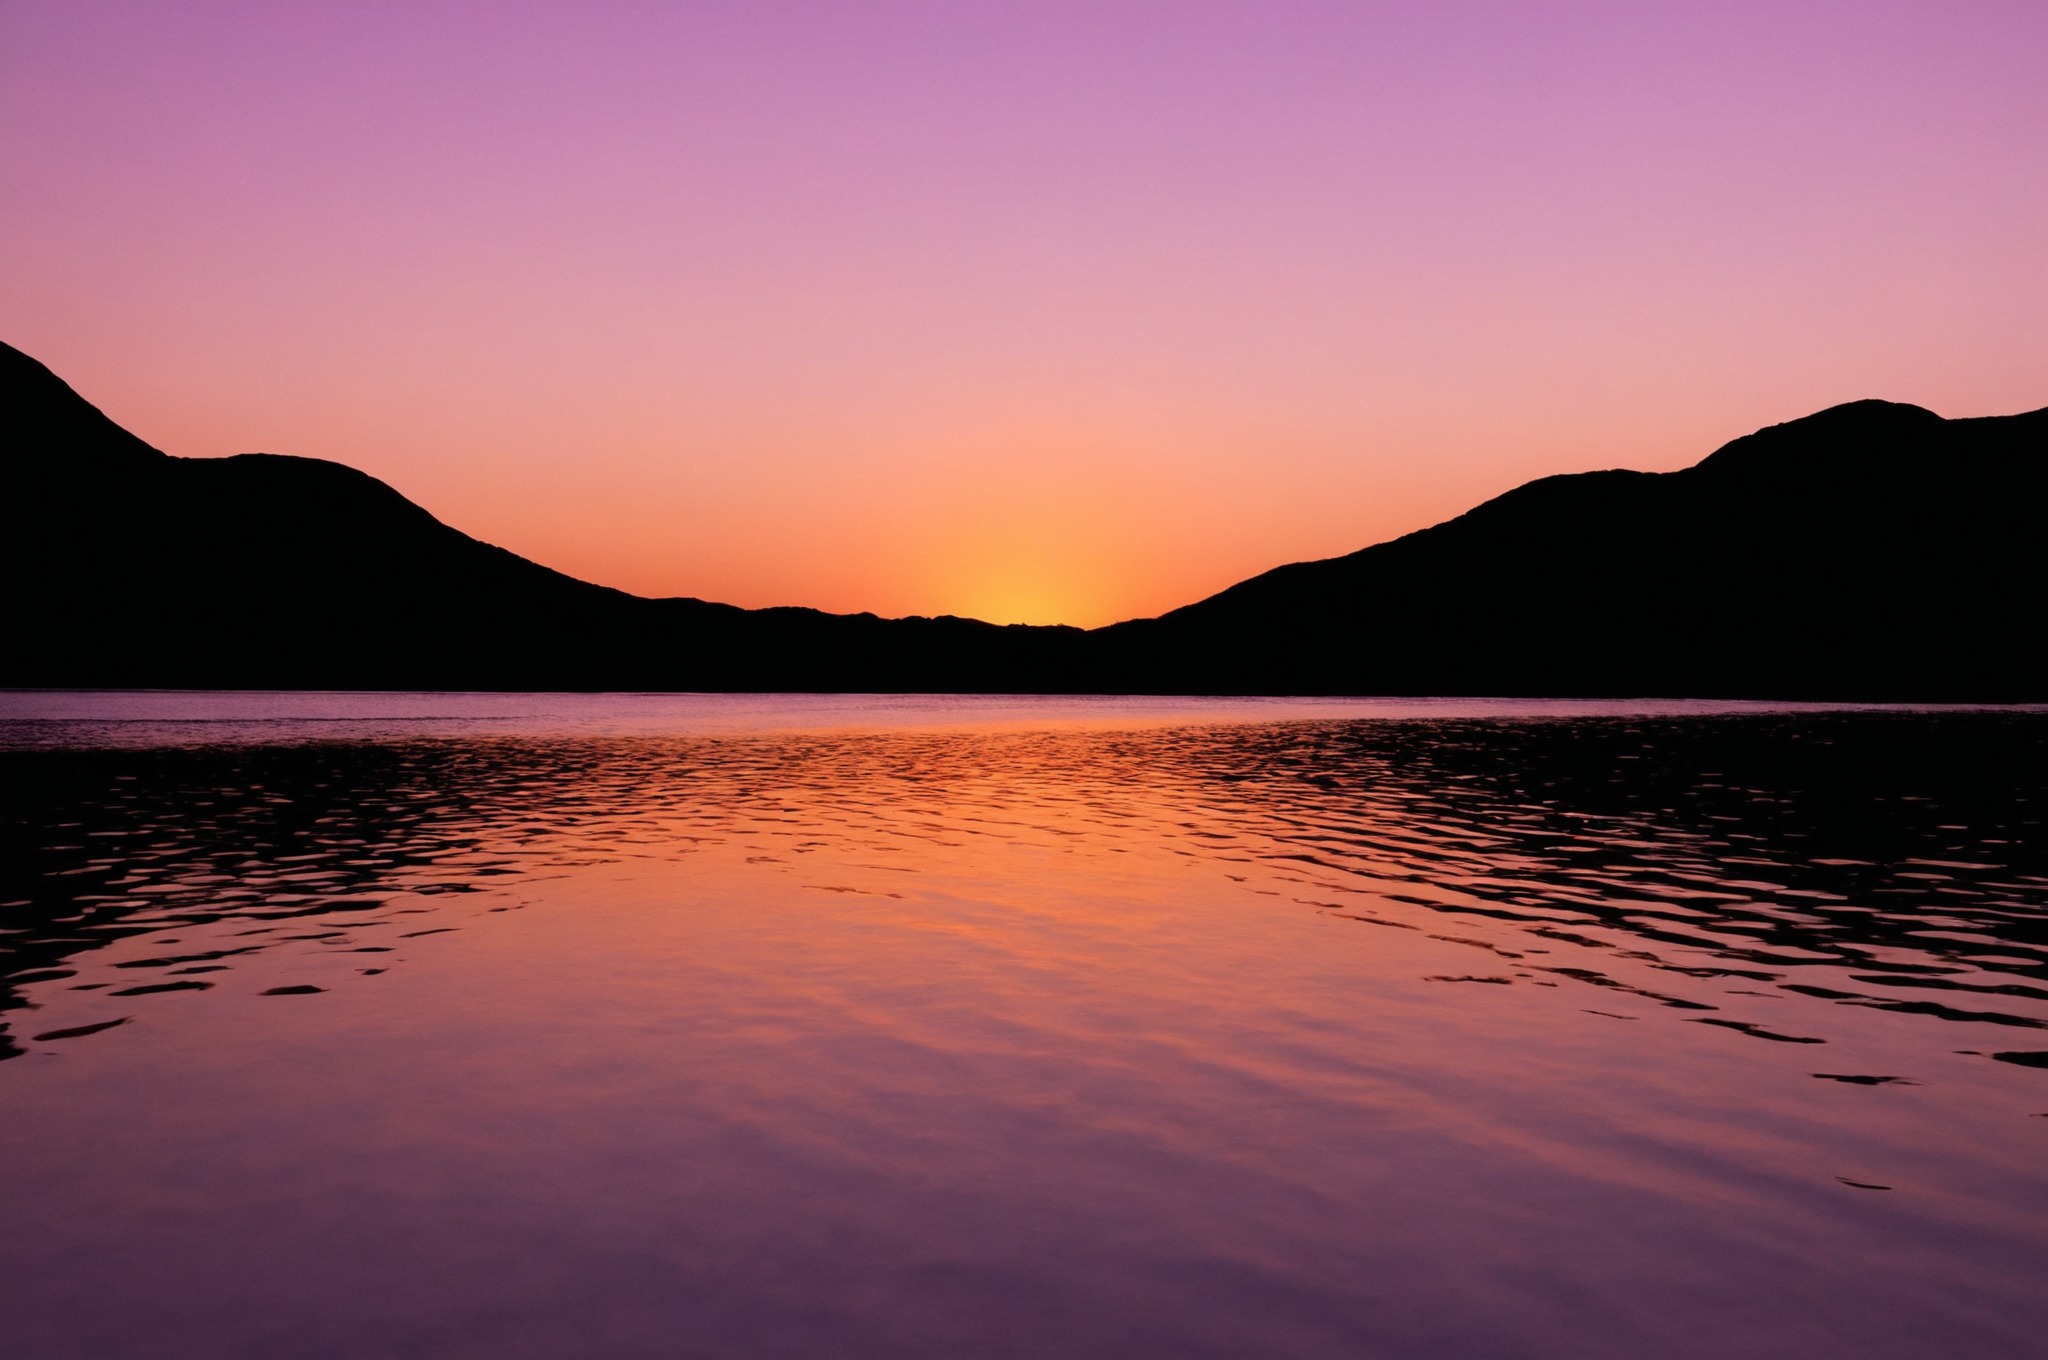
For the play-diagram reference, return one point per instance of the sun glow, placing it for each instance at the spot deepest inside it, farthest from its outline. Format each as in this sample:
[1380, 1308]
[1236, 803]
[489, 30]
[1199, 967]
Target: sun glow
[1028, 592]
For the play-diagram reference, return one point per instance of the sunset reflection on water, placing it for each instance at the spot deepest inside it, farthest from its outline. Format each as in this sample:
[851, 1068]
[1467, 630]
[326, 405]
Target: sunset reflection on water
[1084, 1032]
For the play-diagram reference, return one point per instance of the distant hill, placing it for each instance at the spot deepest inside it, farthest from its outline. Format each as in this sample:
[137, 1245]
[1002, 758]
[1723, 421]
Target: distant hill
[1871, 551]
[123, 566]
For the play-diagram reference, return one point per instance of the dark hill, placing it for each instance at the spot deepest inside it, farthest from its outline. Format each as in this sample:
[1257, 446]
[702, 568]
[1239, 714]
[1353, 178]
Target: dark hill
[1870, 551]
[123, 566]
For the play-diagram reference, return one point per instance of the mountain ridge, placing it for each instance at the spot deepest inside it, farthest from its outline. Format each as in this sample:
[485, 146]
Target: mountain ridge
[1688, 576]
[1870, 550]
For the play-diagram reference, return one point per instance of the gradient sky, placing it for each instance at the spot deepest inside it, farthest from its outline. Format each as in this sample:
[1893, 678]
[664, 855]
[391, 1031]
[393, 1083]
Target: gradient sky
[1042, 312]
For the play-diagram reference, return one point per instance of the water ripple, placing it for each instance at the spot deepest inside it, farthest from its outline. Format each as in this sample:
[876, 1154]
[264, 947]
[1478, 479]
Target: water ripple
[1889, 862]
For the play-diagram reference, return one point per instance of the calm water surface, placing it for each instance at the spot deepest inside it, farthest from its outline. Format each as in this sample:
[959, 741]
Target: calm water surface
[560, 1026]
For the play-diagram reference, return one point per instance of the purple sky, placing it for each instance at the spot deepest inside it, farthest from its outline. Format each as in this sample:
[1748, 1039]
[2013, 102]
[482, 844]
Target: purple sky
[1030, 311]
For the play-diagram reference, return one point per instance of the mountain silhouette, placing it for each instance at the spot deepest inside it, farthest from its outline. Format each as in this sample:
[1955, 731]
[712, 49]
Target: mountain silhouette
[123, 566]
[1871, 551]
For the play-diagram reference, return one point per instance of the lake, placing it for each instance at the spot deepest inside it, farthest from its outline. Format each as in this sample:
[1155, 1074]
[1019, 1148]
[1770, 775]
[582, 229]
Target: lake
[634, 1025]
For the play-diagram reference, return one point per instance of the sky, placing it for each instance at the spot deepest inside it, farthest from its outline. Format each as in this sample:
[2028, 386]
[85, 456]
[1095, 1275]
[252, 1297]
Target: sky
[1034, 312]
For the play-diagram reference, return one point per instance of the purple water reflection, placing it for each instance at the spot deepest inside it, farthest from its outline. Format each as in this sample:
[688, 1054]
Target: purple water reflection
[1071, 1030]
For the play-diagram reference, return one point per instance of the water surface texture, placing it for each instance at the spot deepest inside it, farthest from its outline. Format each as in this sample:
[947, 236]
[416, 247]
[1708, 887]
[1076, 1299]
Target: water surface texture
[560, 1026]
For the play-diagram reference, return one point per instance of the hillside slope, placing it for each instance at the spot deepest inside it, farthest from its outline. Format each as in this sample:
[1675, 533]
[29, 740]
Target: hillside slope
[121, 565]
[1873, 550]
